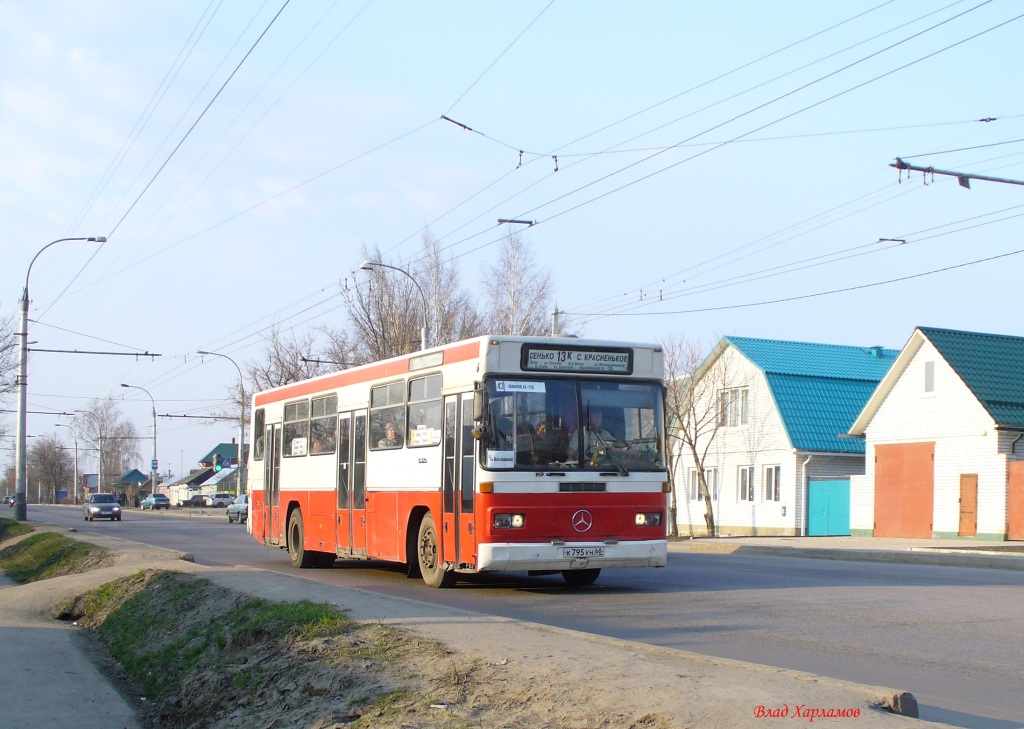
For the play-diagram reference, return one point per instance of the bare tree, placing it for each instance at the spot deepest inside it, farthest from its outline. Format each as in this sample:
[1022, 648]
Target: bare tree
[8, 360]
[281, 361]
[50, 466]
[692, 404]
[386, 311]
[115, 439]
[519, 295]
[455, 316]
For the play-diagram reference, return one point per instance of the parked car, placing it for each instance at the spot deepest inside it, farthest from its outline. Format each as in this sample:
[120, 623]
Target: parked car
[102, 506]
[238, 510]
[194, 500]
[220, 499]
[9, 500]
[156, 501]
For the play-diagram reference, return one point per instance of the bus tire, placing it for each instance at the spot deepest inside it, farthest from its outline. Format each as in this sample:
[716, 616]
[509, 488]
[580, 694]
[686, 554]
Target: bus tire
[300, 557]
[580, 578]
[428, 554]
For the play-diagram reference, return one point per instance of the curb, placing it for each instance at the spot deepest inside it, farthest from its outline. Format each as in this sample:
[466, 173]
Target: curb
[935, 556]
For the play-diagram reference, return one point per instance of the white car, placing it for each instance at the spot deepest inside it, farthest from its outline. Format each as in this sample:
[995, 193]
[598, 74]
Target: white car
[220, 500]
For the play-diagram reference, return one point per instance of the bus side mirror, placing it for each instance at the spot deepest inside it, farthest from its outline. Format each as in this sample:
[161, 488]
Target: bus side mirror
[479, 405]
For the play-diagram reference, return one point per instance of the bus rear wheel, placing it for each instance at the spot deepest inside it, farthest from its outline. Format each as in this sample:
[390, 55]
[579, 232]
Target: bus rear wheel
[297, 552]
[428, 554]
[580, 578]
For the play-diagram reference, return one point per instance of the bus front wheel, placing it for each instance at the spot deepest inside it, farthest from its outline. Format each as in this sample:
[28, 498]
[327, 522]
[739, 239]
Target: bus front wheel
[300, 556]
[428, 553]
[580, 578]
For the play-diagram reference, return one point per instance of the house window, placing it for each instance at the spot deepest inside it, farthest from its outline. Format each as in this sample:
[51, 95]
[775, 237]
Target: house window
[745, 482]
[771, 483]
[929, 376]
[710, 478]
[733, 407]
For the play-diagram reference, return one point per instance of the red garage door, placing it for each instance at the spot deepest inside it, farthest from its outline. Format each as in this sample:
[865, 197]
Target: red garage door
[1015, 501]
[904, 490]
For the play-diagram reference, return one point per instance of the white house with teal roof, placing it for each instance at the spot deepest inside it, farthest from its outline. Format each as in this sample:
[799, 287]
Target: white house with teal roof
[944, 435]
[776, 463]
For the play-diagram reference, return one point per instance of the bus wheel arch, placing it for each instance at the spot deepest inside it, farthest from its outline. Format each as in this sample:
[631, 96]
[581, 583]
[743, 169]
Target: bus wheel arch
[412, 530]
[428, 554]
[297, 552]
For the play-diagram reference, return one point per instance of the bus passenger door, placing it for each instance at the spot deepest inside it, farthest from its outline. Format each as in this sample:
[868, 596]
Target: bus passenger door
[449, 517]
[344, 482]
[357, 483]
[466, 485]
[458, 540]
[351, 484]
[271, 485]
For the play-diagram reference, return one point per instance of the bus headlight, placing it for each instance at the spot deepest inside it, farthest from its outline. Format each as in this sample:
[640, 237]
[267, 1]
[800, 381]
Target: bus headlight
[509, 521]
[648, 518]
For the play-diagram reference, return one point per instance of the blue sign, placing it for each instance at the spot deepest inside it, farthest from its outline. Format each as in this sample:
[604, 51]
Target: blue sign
[153, 466]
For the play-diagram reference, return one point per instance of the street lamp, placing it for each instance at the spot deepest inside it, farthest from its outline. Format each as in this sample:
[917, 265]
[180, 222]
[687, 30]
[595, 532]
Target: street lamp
[242, 483]
[21, 477]
[369, 265]
[154, 466]
[74, 490]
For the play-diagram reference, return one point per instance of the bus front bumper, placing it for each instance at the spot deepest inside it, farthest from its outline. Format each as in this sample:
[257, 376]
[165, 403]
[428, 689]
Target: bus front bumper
[498, 557]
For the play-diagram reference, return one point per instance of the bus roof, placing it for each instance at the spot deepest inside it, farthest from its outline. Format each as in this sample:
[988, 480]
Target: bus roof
[469, 349]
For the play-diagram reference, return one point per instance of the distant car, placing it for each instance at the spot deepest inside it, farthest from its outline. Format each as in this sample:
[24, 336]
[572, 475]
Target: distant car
[102, 506]
[156, 501]
[194, 500]
[238, 510]
[220, 499]
[9, 500]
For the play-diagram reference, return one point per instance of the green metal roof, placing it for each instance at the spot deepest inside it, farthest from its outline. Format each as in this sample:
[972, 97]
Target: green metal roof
[819, 389]
[224, 450]
[992, 367]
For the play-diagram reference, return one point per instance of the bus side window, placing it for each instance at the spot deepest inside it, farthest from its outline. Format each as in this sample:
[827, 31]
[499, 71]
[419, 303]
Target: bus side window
[322, 425]
[258, 447]
[425, 411]
[296, 428]
[387, 408]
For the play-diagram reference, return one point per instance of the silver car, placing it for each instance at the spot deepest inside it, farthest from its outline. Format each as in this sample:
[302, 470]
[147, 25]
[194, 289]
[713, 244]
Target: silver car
[102, 506]
[238, 510]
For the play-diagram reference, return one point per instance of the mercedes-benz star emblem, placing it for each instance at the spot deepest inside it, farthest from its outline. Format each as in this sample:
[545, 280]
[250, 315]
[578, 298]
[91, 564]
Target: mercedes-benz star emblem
[582, 520]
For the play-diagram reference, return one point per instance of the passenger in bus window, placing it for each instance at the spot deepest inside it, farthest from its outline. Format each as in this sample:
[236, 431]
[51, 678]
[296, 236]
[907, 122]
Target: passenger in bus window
[391, 438]
[596, 437]
[550, 443]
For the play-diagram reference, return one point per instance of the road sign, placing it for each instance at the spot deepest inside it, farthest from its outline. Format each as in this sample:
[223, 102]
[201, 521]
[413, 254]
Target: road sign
[153, 466]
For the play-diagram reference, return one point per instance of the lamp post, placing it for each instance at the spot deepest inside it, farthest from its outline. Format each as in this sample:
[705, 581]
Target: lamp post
[21, 473]
[154, 466]
[242, 482]
[369, 265]
[74, 490]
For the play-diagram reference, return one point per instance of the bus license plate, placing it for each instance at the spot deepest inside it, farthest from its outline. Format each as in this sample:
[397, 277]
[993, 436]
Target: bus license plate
[576, 552]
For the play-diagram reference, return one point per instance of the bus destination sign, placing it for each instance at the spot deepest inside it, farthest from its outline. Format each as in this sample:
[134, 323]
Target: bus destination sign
[548, 358]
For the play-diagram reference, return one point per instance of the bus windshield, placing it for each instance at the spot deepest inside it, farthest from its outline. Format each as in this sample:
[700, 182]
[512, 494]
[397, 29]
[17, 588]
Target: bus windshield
[535, 424]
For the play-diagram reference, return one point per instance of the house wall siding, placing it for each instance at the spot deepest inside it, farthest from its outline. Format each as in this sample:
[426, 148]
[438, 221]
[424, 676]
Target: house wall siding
[760, 443]
[965, 442]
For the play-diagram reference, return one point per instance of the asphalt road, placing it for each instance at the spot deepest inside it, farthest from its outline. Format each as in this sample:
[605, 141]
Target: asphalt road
[952, 636]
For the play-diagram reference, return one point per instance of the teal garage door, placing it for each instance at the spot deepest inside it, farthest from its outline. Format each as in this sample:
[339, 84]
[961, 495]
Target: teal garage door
[828, 508]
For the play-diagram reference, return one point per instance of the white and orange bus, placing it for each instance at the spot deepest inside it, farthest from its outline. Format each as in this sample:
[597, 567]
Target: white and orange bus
[492, 454]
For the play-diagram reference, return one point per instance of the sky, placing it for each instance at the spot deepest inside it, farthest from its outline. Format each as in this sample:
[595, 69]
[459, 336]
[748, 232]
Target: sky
[692, 170]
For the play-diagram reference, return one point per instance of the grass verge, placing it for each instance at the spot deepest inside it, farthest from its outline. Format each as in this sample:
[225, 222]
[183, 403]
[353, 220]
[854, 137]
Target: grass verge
[9, 528]
[203, 655]
[48, 554]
